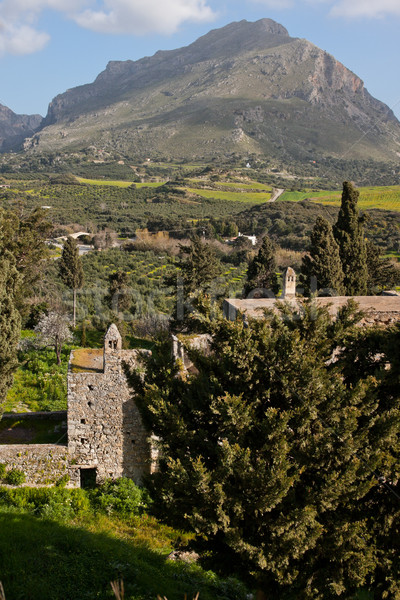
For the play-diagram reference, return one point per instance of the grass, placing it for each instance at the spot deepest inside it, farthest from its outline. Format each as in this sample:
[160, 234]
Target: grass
[87, 359]
[381, 197]
[39, 383]
[251, 197]
[19, 430]
[253, 185]
[120, 184]
[80, 556]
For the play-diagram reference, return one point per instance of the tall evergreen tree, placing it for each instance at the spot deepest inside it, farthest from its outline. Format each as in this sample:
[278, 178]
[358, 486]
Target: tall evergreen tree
[118, 298]
[199, 265]
[261, 274]
[10, 319]
[71, 270]
[323, 261]
[349, 234]
[273, 457]
[381, 271]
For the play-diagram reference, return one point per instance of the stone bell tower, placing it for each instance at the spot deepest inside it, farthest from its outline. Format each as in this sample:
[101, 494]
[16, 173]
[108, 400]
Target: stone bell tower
[289, 284]
[112, 350]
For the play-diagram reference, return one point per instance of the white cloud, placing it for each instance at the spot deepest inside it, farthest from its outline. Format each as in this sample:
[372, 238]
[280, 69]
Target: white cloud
[21, 39]
[343, 8]
[139, 16]
[20, 34]
[366, 8]
[276, 4]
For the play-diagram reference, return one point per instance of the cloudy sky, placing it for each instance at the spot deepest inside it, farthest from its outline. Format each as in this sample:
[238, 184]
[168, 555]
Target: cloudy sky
[48, 46]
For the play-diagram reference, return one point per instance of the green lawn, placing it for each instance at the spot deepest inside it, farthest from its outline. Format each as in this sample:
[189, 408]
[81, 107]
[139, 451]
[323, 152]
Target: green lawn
[253, 185]
[251, 197]
[383, 197]
[56, 549]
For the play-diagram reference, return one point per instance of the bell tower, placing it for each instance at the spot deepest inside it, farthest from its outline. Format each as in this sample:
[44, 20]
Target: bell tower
[112, 350]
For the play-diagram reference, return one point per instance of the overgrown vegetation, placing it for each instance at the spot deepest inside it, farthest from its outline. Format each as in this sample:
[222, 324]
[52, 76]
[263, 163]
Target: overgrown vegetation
[88, 539]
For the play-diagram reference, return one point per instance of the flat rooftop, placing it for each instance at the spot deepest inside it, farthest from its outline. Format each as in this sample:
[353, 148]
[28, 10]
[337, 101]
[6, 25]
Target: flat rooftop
[255, 307]
[87, 360]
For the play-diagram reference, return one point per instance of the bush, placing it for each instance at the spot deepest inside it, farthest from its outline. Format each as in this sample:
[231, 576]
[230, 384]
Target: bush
[121, 496]
[52, 503]
[2, 471]
[15, 477]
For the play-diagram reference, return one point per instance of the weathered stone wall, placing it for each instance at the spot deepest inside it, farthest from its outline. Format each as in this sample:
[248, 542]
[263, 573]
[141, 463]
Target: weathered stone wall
[43, 464]
[105, 430]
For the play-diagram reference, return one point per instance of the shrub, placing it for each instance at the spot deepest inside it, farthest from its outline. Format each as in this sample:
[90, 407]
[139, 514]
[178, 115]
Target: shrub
[2, 471]
[15, 477]
[121, 496]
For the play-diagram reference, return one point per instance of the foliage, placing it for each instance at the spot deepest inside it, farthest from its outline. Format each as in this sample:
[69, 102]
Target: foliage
[261, 274]
[121, 496]
[70, 266]
[40, 384]
[119, 298]
[15, 477]
[54, 330]
[381, 271]
[323, 261]
[349, 234]
[81, 551]
[271, 454]
[10, 320]
[198, 265]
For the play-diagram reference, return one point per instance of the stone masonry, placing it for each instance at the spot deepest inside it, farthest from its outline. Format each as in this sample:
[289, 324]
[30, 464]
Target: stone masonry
[105, 430]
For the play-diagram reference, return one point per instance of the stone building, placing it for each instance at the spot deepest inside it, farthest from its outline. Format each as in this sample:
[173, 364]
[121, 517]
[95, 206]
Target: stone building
[378, 310]
[106, 436]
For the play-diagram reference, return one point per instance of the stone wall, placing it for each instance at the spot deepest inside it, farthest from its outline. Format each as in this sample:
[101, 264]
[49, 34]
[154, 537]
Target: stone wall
[43, 464]
[105, 430]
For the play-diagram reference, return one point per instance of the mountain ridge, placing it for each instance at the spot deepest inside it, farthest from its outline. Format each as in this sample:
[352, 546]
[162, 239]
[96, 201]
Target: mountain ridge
[244, 88]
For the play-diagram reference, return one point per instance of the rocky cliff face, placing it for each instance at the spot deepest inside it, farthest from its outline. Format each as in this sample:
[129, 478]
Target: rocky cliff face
[14, 128]
[248, 87]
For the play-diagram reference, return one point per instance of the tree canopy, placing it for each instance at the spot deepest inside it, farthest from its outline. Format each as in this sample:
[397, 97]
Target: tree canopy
[323, 261]
[273, 455]
[349, 234]
[71, 270]
[261, 274]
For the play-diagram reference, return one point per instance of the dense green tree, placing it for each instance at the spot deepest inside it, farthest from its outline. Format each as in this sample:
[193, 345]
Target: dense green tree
[261, 275]
[349, 234]
[381, 271]
[71, 270]
[270, 454]
[10, 319]
[199, 265]
[119, 298]
[323, 261]
[24, 236]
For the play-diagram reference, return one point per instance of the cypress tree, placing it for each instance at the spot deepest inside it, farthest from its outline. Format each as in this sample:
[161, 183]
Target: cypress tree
[272, 456]
[10, 321]
[381, 271]
[71, 271]
[349, 234]
[261, 274]
[199, 265]
[323, 260]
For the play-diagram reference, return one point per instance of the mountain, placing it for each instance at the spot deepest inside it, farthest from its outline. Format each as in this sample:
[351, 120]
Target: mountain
[15, 128]
[245, 88]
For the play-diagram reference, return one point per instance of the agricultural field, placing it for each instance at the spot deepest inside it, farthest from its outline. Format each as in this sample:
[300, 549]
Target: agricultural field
[120, 184]
[238, 196]
[382, 197]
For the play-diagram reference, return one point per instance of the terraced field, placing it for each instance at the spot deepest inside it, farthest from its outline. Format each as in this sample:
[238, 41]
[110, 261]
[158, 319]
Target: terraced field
[238, 196]
[120, 184]
[384, 197]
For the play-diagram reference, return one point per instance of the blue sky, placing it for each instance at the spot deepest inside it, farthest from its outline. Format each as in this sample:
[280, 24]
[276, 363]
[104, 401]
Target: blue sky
[48, 46]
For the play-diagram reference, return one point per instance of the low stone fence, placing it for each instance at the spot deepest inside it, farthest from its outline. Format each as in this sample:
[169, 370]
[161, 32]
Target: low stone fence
[43, 464]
